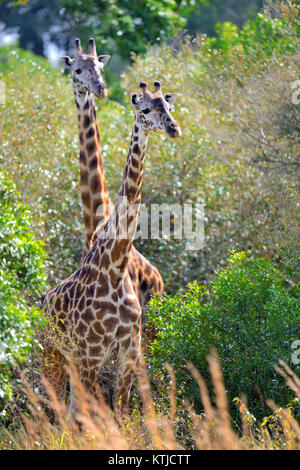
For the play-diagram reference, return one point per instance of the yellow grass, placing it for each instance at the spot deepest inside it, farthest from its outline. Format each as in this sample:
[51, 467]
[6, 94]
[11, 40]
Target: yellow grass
[146, 427]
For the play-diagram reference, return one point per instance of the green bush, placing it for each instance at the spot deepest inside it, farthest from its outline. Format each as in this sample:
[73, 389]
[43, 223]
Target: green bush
[38, 146]
[248, 315]
[228, 94]
[274, 34]
[239, 154]
[22, 279]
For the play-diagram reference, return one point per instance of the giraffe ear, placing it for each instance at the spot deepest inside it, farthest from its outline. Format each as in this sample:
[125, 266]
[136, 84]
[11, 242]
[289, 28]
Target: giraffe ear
[67, 62]
[170, 98]
[103, 59]
[134, 100]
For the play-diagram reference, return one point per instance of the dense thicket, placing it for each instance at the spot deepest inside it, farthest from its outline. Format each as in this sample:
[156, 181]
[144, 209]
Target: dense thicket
[119, 26]
[22, 279]
[248, 315]
[239, 152]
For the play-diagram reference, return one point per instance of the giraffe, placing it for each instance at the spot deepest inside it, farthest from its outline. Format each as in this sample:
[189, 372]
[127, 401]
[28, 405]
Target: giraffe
[87, 81]
[97, 207]
[96, 308]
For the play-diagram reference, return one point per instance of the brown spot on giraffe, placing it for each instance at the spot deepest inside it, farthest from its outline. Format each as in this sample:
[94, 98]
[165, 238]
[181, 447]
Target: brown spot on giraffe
[93, 163]
[86, 198]
[117, 249]
[110, 324]
[86, 121]
[93, 337]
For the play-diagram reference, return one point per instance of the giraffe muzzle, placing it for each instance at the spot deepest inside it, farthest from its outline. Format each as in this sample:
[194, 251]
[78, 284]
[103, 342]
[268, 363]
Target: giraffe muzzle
[173, 130]
[100, 91]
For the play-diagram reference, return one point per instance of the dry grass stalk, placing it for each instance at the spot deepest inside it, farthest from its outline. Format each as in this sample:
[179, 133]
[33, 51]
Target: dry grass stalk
[97, 427]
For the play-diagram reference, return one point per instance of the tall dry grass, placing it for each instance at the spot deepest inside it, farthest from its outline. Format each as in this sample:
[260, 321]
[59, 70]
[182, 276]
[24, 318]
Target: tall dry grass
[148, 427]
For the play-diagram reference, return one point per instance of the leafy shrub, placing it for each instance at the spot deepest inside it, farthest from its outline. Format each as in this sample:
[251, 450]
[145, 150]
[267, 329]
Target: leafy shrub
[273, 33]
[249, 203]
[38, 140]
[248, 315]
[21, 280]
[206, 15]
[127, 26]
[228, 86]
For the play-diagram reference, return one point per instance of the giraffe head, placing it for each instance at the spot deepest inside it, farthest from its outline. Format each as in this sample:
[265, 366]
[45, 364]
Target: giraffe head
[86, 69]
[153, 110]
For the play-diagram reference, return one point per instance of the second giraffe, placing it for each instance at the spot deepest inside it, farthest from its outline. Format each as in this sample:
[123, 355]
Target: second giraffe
[97, 308]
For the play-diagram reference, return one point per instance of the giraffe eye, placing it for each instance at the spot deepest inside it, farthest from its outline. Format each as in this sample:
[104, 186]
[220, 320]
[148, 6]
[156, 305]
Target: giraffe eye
[78, 71]
[146, 110]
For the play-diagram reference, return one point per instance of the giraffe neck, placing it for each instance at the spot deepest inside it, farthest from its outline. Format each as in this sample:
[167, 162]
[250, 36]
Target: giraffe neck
[131, 188]
[120, 230]
[92, 181]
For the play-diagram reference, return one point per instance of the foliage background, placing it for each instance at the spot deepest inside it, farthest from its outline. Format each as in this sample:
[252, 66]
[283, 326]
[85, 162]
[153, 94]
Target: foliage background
[239, 153]
[22, 278]
[120, 27]
[248, 315]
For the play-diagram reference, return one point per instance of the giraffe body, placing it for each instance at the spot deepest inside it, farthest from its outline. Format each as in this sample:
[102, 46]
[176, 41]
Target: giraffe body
[96, 309]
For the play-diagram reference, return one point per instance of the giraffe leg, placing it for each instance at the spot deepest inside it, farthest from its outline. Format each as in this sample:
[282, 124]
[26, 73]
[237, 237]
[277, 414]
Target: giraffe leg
[107, 376]
[89, 374]
[72, 403]
[127, 367]
[54, 371]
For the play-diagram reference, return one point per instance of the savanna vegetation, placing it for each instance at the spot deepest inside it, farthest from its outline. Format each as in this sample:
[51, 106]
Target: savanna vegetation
[238, 296]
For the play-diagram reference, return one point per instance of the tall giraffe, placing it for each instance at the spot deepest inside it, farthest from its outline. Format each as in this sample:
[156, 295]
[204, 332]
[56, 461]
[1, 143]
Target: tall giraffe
[97, 207]
[87, 81]
[97, 308]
